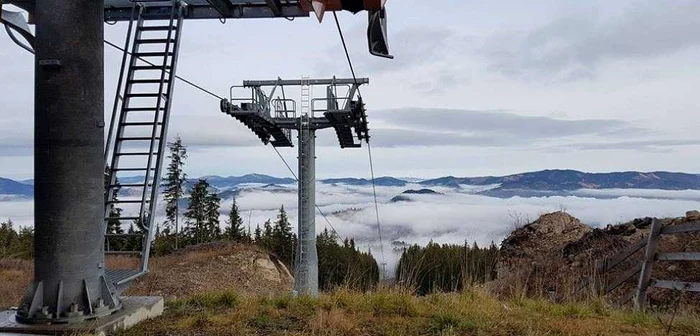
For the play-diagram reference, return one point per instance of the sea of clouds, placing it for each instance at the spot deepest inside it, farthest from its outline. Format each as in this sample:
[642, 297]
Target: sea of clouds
[452, 216]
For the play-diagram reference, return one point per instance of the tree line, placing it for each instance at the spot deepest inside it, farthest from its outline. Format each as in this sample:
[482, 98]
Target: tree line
[447, 267]
[16, 243]
[340, 264]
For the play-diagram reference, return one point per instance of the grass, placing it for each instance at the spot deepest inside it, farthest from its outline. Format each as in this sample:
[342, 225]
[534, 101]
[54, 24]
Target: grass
[396, 312]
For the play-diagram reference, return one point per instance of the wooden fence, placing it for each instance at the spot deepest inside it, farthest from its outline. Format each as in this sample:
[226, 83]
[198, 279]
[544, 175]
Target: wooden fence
[644, 268]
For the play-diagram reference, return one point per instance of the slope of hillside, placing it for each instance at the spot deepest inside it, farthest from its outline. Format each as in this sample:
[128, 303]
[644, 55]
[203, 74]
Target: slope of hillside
[387, 312]
[196, 269]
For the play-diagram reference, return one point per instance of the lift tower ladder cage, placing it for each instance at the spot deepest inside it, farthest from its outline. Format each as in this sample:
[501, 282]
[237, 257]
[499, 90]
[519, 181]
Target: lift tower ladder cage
[272, 118]
[137, 136]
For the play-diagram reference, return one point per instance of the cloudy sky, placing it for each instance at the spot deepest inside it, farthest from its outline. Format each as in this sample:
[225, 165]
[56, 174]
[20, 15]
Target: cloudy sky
[477, 87]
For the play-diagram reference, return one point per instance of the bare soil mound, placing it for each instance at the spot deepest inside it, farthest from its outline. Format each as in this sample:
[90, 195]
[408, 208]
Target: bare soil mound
[219, 266]
[214, 267]
[555, 254]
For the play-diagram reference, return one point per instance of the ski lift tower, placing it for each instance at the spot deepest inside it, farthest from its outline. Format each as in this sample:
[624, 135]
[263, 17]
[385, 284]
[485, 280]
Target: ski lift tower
[273, 119]
[71, 283]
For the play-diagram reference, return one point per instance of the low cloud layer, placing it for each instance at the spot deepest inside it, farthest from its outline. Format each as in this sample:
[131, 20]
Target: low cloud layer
[448, 217]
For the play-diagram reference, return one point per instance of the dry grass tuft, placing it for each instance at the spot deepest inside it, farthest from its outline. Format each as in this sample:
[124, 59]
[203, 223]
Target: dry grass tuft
[396, 312]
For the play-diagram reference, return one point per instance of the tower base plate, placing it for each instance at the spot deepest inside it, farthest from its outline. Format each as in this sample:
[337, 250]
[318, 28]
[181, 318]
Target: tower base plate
[136, 309]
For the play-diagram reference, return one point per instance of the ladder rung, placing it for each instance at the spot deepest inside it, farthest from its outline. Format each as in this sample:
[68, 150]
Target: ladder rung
[142, 109]
[127, 201]
[152, 28]
[141, 123]
[128, 185]
[147, 81]
[122, 218]
[137, 138]
[138, 95]
[135, 154]
[124, 235]
[149, 67]
[124, 252]
[153, 41]
[153, 54]
[132, 169]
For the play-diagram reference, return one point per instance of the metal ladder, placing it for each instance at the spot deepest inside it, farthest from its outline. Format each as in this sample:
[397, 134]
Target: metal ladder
[137, 136]
[305, 106]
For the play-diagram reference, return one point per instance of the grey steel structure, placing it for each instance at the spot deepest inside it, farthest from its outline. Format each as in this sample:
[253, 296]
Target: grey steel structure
[136, 141]
[69, 269]
[71, 282]
[273, 119]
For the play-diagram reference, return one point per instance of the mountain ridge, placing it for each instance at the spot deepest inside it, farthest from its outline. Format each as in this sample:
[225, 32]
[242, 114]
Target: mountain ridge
[550, 180]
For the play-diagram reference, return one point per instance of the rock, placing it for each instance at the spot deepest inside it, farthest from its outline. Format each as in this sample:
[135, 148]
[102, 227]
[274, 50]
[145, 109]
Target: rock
[672, 268]
[576, 264]
[692, 215]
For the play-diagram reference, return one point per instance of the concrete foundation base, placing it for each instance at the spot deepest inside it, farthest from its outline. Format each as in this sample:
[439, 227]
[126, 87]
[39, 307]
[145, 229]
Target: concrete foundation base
[136, 309]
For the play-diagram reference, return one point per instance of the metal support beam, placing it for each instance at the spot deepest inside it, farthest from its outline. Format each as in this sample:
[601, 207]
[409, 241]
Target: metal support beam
[306, 266]
[275, 6]
[69, 278]
[297, 82]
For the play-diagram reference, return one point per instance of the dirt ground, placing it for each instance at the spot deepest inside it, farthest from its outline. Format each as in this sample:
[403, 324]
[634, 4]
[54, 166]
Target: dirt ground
[206, 268]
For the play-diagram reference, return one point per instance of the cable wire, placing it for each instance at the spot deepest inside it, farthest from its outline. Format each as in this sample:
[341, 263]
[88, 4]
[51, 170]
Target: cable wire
[335, 232]
[176, 76]
[347, 54]
[369, 148]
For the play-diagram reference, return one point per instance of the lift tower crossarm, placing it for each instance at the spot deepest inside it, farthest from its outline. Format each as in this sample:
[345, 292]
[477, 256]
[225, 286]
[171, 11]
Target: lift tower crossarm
[296, 82]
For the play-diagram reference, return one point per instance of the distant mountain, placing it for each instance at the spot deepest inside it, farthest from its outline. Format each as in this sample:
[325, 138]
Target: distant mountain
[10, 187]
[385, 181]
[400, 198]
[531, 184]
[403, 197]
[232, 181]
[421, 192]
[566, 180]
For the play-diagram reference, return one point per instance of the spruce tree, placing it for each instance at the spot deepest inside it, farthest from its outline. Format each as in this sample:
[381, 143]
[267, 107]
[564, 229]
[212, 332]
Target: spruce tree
[196, 213]
[213, 204]
[235, 230]
[283, 239]
[174, 183]
[257, 236]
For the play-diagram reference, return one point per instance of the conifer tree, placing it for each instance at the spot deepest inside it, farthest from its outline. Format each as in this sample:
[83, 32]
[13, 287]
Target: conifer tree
[196, 213]
[174, 185]
[202, 215]
[213, 203]
[235, 230]
[257, 236]
[282, 237]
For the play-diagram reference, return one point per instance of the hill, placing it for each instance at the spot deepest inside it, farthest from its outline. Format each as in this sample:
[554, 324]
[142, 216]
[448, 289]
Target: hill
[195, 269]
[10, 187]
[564, 180]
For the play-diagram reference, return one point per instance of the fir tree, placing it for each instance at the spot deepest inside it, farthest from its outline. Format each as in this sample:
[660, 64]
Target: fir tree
[202, 215]
[235, 230]
[174, 183]
[212, 218]
[282, 238]
[257, 236]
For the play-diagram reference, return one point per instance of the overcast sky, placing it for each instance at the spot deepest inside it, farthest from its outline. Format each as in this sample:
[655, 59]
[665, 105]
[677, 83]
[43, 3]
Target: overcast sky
[477, 88]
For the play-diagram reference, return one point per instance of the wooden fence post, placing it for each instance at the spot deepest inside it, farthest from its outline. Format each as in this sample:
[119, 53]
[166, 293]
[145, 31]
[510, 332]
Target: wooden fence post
[645, 274]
